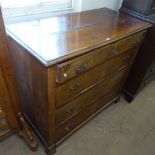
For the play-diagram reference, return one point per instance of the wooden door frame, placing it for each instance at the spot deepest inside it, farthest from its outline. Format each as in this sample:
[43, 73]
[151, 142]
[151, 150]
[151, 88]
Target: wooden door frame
[8, 89]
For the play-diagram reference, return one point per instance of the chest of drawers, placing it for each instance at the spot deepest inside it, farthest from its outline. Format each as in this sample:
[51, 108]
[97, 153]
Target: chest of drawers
[69, 74]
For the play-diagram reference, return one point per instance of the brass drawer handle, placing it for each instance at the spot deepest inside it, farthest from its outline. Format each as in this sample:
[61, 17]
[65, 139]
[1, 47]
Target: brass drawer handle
[69, 127]
[80, 69]
[71, 111]
[74, 87]
[114, 50]
[65, 75]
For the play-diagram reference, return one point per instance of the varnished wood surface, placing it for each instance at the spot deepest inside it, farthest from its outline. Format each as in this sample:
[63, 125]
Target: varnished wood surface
[9, 99]
[38, 87]
[46, 97]
[83, 116]
[89, 97]
[62, 37]
[99, 106]
[77, 66]
[33, 78]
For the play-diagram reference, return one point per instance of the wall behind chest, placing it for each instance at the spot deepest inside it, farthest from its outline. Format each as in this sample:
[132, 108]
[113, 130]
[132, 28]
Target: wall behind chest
[94, 4]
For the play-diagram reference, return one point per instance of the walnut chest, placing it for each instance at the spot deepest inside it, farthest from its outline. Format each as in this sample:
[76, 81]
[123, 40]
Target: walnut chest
[70, 67]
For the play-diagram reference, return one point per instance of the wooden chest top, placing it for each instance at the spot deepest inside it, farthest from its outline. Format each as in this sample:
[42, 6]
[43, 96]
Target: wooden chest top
[55, 39]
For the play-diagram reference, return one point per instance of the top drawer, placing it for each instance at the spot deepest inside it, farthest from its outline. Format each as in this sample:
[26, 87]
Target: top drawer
[76, 66]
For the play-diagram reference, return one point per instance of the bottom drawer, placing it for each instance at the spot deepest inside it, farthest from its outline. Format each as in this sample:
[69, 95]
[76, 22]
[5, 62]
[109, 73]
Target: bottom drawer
[74, 123]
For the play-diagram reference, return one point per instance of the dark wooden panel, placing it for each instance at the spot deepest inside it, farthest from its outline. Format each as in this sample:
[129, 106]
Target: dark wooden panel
[144, 59]
[32, 79]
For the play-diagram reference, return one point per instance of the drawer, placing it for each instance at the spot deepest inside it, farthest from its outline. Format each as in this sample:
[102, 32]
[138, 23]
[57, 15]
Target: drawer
[107, 98]
[89, 97]
[83, 63]
[83, 115]
[73, 87]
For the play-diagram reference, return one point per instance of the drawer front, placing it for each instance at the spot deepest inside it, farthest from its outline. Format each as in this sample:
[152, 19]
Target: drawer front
[75, 122]
[89, 97]
[83, 63]
[80, 83]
